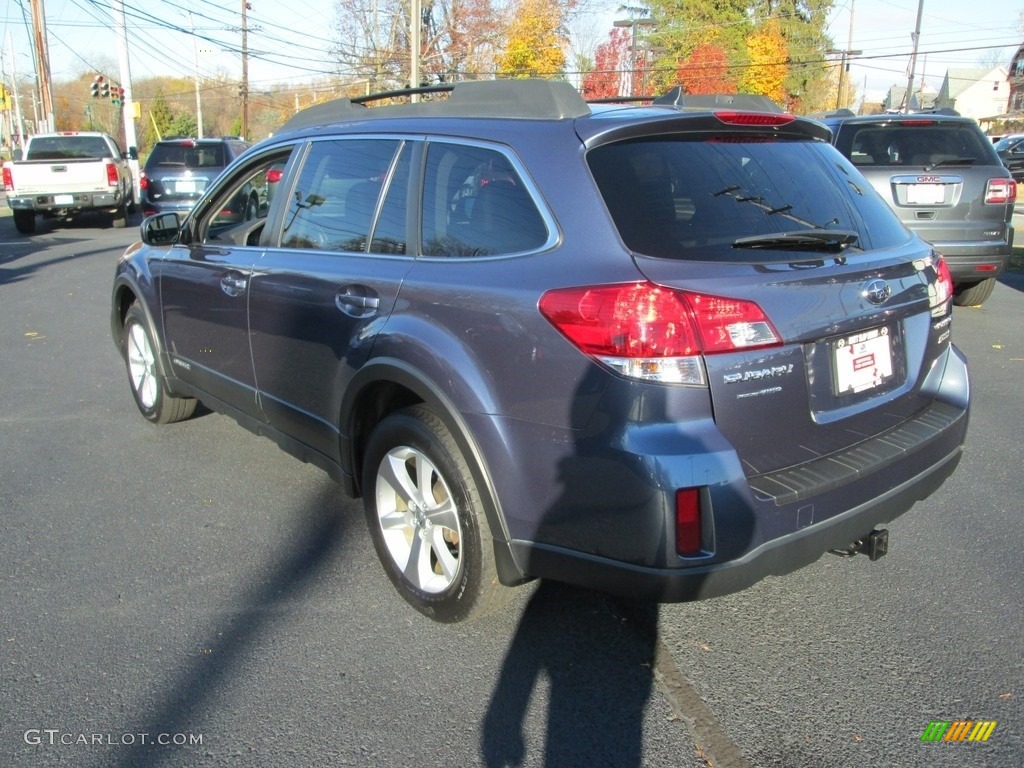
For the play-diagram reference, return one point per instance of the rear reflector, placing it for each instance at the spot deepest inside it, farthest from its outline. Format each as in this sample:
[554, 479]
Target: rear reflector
[688, 529]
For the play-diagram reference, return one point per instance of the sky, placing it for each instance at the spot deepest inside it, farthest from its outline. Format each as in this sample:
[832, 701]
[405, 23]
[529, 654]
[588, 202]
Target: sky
[289, 40]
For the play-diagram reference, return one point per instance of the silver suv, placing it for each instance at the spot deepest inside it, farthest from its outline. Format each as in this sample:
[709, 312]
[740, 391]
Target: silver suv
[944, 179]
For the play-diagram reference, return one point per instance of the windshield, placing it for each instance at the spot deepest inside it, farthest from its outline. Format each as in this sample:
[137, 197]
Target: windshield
[693, 199]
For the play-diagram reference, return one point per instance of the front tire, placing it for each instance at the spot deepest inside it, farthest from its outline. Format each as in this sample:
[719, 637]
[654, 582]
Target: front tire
[427, 520]
[148, 388]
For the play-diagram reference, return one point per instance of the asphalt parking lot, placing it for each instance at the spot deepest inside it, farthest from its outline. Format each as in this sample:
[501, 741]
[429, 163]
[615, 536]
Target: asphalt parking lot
[191, 596]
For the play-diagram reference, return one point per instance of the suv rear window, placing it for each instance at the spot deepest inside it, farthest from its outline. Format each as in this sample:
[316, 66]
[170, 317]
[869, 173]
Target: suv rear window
[912, 143]
[189, 154]
[692, 199]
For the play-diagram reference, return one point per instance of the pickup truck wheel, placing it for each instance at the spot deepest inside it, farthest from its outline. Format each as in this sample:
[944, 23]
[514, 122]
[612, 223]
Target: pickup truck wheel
[151, 395]
[25, 222]
[426, 518]
[119, 219]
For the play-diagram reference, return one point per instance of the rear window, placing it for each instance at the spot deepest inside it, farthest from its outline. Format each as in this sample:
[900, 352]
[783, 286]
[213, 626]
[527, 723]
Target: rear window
[67, 148]
[188, 155]
[923, 144]
[693, 198]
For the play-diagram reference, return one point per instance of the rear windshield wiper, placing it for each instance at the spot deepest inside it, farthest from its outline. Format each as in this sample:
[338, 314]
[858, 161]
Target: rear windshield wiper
[951, 161]
[832, 240]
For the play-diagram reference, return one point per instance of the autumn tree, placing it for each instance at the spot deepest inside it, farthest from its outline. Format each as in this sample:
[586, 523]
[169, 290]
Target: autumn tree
[767, 70]
[535, 45]
[706, 70]
[611, 56]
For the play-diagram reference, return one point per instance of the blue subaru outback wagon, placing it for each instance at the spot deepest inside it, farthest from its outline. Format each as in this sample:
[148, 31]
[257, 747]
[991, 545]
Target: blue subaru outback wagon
[664, 349]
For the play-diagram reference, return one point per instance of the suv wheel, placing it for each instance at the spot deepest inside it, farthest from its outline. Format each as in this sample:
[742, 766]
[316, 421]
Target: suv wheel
[426, 518]
[151, 396]
[975, 294]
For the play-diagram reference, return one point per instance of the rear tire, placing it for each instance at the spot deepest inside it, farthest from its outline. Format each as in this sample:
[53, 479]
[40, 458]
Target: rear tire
[119, 219]
[427, 520]
[974, 295]
[25, 222]
[148, 388]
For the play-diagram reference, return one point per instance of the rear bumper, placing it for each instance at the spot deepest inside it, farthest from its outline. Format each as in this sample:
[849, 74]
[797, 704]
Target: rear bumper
[65, 202]
[775, 558]
[753, 527]
[971, 262]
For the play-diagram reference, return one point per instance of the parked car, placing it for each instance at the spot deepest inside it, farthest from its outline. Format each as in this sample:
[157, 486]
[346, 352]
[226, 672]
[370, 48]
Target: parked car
[943, 178]
[178, 171]
[1011, 151]
[654, 350]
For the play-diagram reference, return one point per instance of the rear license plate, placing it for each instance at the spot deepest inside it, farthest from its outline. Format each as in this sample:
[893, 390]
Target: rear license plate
[861, 361]
[185, 187]
[926, 194]
[63, 199]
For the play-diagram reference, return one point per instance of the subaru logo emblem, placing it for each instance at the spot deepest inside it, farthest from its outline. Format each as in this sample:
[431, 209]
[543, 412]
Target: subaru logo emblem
[877, 292]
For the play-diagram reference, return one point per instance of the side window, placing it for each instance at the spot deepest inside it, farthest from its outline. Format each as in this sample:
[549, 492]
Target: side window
[475, 204]
[337, 194]
[239, 209]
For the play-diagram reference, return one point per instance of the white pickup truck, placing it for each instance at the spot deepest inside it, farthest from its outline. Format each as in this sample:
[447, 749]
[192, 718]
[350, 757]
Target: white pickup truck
[62, 175]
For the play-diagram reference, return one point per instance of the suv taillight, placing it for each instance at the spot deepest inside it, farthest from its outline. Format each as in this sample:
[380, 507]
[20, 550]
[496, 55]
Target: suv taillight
[8, 179]
[112, 177]
[649, 332]
[1000, 191]
[143, 180]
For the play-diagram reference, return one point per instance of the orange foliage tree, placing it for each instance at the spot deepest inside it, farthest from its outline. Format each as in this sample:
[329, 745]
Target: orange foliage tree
[706, 70]
[605, 80]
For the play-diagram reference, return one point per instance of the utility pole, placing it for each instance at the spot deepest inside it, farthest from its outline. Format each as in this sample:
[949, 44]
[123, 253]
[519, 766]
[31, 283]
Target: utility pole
[43, 63]
[415, 21]
[913, 56]
[127, 106]
[195, 55]
[19, 120]
[632, 24]
[245, 72]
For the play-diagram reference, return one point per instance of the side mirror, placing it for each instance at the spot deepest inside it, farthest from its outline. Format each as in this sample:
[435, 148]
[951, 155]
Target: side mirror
[133, 153]
[161, 229]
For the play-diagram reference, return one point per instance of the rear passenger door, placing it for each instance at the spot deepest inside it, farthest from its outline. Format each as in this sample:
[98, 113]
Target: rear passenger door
[329, 277]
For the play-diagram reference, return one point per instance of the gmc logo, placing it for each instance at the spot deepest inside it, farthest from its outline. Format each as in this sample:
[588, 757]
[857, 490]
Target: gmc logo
[929, 179]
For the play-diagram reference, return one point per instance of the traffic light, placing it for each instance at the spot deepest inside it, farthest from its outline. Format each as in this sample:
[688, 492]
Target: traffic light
[95, 87]
[117, 95]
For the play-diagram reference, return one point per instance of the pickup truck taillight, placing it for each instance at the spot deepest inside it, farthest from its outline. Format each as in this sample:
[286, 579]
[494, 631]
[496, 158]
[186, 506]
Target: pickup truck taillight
[112, 177]
[8, 179]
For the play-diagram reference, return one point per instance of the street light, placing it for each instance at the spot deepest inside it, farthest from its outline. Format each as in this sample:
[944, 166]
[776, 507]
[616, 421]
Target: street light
[633, 24]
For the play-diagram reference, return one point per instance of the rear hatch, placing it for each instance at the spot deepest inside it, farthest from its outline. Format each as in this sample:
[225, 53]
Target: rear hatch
[841, 314]
[941, 176]
[180, 171]
[64, 164]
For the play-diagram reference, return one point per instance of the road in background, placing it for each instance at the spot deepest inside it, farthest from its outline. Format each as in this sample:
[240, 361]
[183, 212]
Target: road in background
[195, 584]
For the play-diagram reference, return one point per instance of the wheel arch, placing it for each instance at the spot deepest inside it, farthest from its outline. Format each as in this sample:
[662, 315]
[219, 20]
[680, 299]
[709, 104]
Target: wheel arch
[386, 385]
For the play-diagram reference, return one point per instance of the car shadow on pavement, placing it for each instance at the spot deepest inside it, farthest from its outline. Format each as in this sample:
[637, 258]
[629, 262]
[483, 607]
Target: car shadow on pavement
[596, 653]
[316, 540]
[1013, 279]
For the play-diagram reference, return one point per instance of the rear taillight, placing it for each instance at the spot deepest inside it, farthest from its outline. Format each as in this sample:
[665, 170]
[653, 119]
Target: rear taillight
[112, 177]
[688, 527]
[143, 180]
[8, 179]
[1000, 191]
[941, 291]
[646, 331]
[274, 175]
